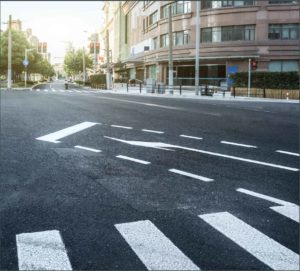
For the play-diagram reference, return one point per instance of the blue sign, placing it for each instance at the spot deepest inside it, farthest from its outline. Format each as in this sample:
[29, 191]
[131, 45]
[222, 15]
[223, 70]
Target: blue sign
[25, 62]
[232, 69]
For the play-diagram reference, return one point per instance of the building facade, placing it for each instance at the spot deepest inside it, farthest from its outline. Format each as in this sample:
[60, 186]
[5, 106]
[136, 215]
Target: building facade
[231, 33]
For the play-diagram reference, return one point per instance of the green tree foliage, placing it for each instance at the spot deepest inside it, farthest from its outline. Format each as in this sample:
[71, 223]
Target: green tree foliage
[19, 43]
[73, 62]
[271, 80]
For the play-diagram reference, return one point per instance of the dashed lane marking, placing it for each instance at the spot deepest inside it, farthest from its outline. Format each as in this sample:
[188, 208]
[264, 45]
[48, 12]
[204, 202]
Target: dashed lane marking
[153, 248]
[238, 144]
[42, 251]
[191, 175]
[86, 148]
[253, 241]
[164, 146]
[152, 131]
[46, 90]
[287, 209]
[53, 137]
[133, 159]
[192, 137]
[61, 90]
[119, 126]
[289, 153]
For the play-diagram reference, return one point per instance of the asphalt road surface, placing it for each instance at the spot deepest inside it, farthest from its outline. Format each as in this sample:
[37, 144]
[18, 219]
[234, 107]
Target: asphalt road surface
[93, 181]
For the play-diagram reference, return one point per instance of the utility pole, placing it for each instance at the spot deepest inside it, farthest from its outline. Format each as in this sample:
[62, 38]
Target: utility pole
[83, 64]
[197, 55]
[95, 55]
[170, 51]
[9, 72]
[249, 76]
[107, 61]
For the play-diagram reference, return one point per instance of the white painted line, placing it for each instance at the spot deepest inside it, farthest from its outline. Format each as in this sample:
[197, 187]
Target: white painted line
[152, 131]
[37, 89]
[53, 137]
[238, 144]
[289, 153]
[287, 209]
[86, 148]
[153, 248]
[61, 90]
[119, 126]
[255, 242]
[54, 90]
[262, 196]
[42, 251]
[46, 90]
[161, 145]
[133, 159]
[184, 173]
[75, 90]
[193, 137]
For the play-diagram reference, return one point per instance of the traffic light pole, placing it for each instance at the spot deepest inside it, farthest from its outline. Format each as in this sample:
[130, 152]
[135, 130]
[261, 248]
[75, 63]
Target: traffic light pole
[9, 55]
[249, 76]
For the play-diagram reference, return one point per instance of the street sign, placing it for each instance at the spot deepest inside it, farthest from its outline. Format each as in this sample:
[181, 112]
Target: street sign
[25, 62]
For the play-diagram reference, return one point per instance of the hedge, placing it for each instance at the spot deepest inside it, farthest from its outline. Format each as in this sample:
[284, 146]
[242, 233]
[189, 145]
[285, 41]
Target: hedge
[98, 79]
[270, 80]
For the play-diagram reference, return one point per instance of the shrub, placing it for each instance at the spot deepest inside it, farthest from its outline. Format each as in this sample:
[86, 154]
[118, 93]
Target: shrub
[270, 80]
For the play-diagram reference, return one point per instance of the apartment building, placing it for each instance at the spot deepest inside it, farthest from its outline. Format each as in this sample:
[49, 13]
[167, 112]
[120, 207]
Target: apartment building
[231, 33]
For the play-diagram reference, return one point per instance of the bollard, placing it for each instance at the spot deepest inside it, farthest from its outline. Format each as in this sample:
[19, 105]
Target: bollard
[127, 87]
[180, 89]
[158, 91]
[264, 92]
[140, 87]
[234, 92]
[287, 95]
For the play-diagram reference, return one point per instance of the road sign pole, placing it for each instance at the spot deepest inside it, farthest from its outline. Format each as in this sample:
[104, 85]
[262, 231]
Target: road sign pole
[25, 68]
[249, 76]
[9, 55]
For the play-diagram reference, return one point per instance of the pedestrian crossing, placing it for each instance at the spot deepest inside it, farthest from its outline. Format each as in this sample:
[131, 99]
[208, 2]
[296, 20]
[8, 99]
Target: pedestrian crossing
[46, 250]
[71, 90]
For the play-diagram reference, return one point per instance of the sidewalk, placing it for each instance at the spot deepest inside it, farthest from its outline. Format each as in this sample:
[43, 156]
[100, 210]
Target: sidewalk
[190, 95]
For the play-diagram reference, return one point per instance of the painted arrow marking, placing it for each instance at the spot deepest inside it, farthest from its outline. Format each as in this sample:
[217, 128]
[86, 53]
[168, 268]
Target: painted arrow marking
[287, 209]
[53, 137]
[164, 146]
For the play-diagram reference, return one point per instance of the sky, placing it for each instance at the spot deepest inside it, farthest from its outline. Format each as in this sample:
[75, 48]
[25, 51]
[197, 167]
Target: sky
[56, 22]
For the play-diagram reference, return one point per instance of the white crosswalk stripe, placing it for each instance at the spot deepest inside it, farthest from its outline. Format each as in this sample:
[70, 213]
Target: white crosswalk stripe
[153, 248]
[253, 241]
[42, 251]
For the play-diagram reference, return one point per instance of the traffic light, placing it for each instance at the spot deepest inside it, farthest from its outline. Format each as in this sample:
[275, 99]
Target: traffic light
[91, 48]
[44, 47]
[253, 64]
[40, 47]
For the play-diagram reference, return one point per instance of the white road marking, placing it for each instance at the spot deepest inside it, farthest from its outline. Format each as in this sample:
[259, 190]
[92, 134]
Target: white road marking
[75, 90]
[289, 153]
[119, 126]
[53, 137]
[86, 148]
[42, 251]
[152, 131]
[184, 173]
[255, 242]
[61, 90]
[238, 144]
[37, 89]
[46, 90]
[133, 159]
[287, 209]
[153, 248]
[164, 146]
[54, 90]
[193, 137]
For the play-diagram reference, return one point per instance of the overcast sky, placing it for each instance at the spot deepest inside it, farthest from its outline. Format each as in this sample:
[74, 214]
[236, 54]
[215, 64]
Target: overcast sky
[56, 21]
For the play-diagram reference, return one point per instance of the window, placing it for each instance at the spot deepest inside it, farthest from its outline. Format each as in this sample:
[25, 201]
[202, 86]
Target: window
[180, 38]
[283, 1]
[205, 4]
[228, 33]
[154, 43]
[164, 40]
[284, 66]
[153, 18]
[178, 7]
[284, 31]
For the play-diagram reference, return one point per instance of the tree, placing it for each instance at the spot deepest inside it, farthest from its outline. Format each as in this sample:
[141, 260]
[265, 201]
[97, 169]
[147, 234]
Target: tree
[19, 44]
[73, 63]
